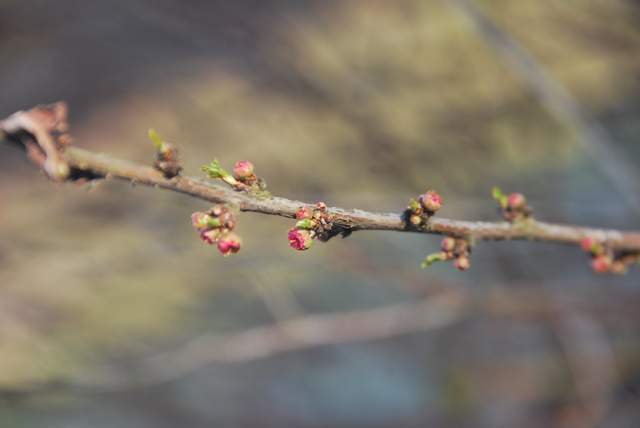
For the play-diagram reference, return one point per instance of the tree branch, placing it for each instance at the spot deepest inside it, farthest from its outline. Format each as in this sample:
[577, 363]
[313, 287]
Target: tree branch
[434, 313]
[84, 164]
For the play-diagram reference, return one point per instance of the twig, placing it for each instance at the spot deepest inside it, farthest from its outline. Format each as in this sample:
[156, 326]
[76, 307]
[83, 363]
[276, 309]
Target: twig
[85, 164]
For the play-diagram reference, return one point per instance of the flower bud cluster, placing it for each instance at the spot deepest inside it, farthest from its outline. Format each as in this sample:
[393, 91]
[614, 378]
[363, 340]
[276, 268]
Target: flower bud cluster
[167, 160]
[605, 260]
[312, 223]
[427, 205]
[215, 228]
[458, 250]
[242, 179]
[513, 207]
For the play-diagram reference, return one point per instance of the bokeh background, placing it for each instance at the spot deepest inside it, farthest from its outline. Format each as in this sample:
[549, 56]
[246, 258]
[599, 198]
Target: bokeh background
[360, 104]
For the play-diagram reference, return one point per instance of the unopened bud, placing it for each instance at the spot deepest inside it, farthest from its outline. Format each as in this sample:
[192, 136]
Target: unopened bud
[415, 220]
[448, 244]
[304, 212]
[462, 263]
[210, 236]
[229, 244]
[601, 264]
[243, 169]
[431, 201]
[516, 201]
[590, 245]
[299, 239]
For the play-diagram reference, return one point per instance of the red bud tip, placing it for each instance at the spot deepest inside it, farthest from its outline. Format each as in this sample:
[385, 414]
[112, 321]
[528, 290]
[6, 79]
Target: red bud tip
[243, 169]
[601, 264]
[587, 244]
[516, 201]
[431, 201]
[229, 244]
[591, 246]
[210, 236]
[299, 239]
[304, 213]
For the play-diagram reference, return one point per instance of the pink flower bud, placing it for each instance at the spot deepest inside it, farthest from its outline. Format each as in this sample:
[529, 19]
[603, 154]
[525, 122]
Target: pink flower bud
[210, 236]
[591, 246]
[601, 264]
[229, 244]
[587, 244]
[243, 169]
[200, 220]
[300, 239]
[462, 263]
[516, 201]
[304, 213]
[448, 244]
[431, 201]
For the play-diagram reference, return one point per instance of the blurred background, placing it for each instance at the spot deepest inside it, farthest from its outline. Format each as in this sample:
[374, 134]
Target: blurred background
[359, 104]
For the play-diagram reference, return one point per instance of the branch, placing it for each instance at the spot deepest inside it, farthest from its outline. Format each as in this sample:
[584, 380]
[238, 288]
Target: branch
[84, 164]
[434, 313]
[300, 333]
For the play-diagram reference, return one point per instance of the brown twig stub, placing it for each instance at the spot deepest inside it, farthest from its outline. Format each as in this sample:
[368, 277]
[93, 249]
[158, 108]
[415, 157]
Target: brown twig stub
[43, 132]
[85, 164]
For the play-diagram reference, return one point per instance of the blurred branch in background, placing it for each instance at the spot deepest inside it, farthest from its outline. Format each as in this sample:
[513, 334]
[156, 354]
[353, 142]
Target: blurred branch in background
[583, 345]
[595, 140]
[592, 364]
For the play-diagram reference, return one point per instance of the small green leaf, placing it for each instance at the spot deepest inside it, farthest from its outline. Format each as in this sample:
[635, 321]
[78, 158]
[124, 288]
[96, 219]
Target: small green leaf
[496, 193]
[156, 139]
[503, 200]
[214, 170]
[431, 259]
[414, 205]
[214, 222]
[306, 223]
